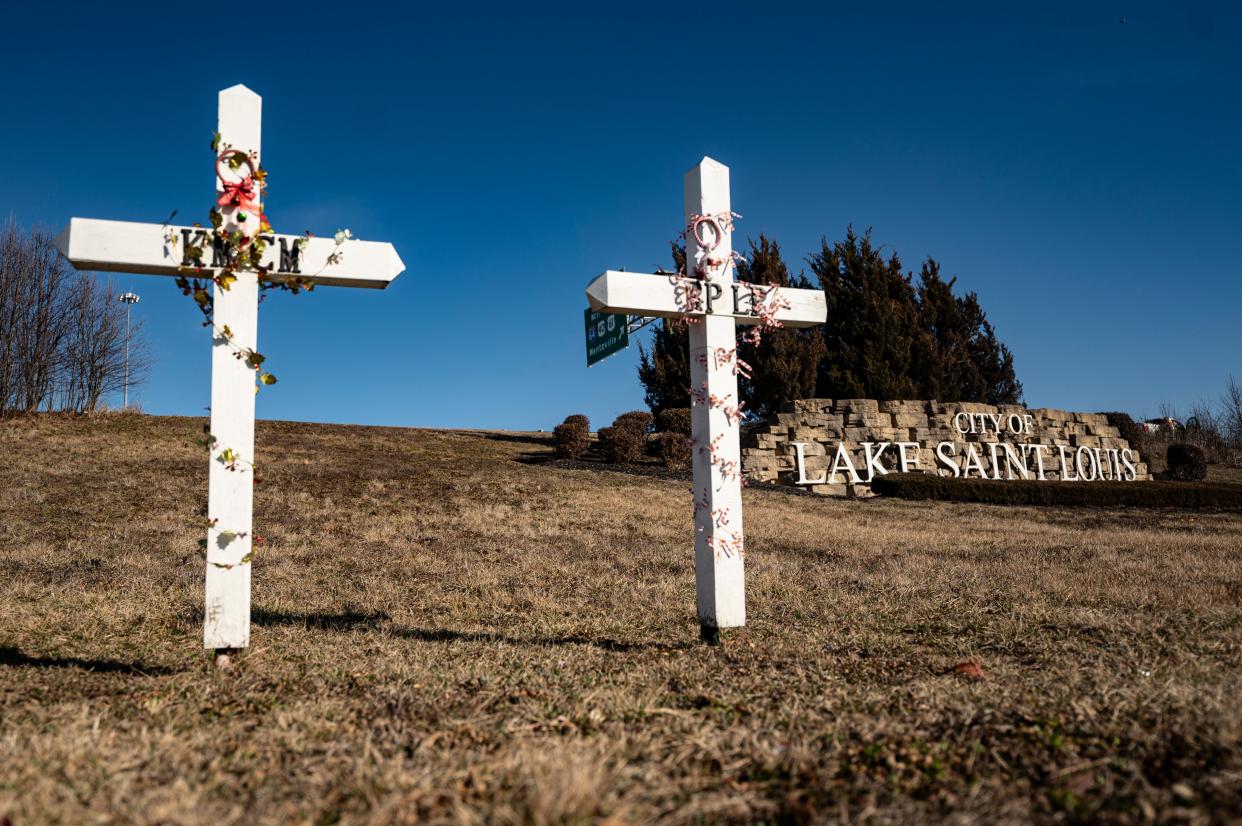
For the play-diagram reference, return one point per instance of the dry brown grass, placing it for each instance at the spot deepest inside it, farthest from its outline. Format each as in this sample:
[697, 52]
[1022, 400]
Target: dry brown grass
[486, 640]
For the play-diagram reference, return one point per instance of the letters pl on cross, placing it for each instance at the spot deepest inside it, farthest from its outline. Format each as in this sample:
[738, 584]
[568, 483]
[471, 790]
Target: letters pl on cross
[714, 302]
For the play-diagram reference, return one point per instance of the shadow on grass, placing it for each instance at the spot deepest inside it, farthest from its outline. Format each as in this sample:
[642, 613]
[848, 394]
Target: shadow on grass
[342, 621]
[649, 469]
[652, 470]
[605, 643]
[543, 457]
[13, 657]
[544, 439]
[377, 621]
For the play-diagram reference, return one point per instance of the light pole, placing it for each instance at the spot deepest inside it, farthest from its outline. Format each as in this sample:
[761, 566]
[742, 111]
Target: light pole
[129, 300]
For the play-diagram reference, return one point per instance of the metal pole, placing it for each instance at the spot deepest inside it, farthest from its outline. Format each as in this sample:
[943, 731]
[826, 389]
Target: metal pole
[129, 299]
[129, 308]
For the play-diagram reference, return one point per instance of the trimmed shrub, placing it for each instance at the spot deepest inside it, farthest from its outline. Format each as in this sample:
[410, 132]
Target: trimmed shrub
[1155, 494]
[673, 450]
[672, 443]
[1127, 427]
[622, 445]
[1186, 462]
[604, 442]
[674, 420]
[573, 437]
[626, 441]
[639, 420]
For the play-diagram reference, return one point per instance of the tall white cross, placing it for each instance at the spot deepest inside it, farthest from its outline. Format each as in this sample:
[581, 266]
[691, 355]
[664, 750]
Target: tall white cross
[710, 298]
[161, 249]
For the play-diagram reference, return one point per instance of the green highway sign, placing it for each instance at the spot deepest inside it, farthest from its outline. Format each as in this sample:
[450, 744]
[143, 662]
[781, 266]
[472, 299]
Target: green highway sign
[606, 334]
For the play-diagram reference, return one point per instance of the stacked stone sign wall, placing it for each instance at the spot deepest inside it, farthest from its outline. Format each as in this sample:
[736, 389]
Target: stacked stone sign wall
[837, 447]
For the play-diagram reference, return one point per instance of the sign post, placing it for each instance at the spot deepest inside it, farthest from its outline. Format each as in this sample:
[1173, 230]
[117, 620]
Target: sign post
[713, 303]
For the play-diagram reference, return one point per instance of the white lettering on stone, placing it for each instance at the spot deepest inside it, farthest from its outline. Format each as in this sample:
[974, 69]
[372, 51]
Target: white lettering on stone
[842, 458]
[973, 459]
[906, 461]
[1039, 451]
[993, 459]
[1078, 463]
[800, 464]
[946, 457]
[873, 463]
[1012, 460]
[1066, 464]
[1127, 459]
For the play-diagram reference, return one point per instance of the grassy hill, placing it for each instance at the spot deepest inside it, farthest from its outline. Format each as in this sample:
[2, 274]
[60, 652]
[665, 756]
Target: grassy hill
[448, 630]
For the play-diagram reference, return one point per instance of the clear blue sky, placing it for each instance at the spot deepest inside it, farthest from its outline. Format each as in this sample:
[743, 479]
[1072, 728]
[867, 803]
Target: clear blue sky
[1082, 174]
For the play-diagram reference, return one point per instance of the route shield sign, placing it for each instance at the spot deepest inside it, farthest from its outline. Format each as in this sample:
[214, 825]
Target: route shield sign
[606, 333]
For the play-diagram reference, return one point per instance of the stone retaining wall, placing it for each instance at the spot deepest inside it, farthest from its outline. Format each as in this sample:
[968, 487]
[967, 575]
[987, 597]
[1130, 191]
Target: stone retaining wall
[865, 426]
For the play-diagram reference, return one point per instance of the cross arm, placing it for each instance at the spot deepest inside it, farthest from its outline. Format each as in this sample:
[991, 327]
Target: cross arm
[665, 295]
[164, 249]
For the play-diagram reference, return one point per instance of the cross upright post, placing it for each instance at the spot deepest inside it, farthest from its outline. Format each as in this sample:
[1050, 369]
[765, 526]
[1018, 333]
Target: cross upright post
[230, 485]
[719, 572]
[709, 298]
[161, 249]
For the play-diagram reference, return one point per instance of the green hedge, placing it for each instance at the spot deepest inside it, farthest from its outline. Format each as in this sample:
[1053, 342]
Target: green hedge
[1152, 494]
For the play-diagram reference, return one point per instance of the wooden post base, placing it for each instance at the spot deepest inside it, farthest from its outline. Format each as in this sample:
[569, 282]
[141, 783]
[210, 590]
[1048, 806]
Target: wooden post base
[222, 658]
[709, 634]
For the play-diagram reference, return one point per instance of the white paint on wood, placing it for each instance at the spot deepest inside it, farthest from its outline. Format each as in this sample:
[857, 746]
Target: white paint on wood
[230, 486]
[155, 249]
[159, 249]
[230, 492]
[720, 578]
[656, 295]
[719, 549]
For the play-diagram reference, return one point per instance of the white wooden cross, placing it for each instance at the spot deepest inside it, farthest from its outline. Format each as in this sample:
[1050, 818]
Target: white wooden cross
[714, 302]
[160, 249]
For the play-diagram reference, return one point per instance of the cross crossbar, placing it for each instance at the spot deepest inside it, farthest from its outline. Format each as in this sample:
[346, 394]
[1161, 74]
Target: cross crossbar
[165, 249]
[665, 296]
[716, 302]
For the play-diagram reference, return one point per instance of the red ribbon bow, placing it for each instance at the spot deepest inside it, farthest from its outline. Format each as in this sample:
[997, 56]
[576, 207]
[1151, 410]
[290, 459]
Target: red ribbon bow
[240, 194]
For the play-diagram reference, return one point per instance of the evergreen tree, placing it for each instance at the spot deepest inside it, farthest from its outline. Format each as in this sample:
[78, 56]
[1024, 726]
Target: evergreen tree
[965, 361]
[873, 322]
[665, 370]
[784, 365]
[947, 369]
[886, 337]
[1000, 381]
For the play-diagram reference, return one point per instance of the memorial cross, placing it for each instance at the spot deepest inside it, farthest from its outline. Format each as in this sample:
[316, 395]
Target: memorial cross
[710, 298]
[162, 249]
